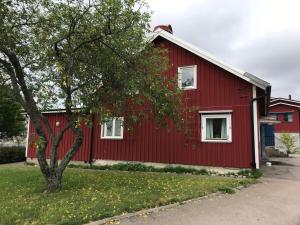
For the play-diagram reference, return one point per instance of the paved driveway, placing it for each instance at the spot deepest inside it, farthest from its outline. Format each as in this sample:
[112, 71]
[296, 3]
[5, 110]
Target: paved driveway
[273, 201]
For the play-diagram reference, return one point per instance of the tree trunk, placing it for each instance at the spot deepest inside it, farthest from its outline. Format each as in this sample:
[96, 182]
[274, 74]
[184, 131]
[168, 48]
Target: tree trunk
[54, 176]
[53, 181]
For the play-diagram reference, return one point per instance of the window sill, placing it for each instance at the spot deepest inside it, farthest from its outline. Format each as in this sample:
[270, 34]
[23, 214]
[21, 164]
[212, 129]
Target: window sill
[217, 141]
[112, 138]
[189, 88]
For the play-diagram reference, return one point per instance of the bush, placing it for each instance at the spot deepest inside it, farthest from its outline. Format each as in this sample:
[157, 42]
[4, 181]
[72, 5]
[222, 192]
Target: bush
[253, 174]
[289, 142]
[12, 154]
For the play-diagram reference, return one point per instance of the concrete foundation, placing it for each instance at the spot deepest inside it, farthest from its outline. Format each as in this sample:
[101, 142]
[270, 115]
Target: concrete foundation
[219, 170]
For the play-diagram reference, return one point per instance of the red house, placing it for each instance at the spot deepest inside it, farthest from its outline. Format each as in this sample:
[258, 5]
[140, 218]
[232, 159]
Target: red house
[225, 131]
[287, 111]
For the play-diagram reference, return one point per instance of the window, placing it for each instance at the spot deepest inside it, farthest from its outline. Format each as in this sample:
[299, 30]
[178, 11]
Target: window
[288, 117]
[216, 128]
[112, 129]
[187, 77]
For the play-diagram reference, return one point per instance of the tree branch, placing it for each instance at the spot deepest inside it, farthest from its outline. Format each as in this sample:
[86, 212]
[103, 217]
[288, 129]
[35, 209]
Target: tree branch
[54, 146]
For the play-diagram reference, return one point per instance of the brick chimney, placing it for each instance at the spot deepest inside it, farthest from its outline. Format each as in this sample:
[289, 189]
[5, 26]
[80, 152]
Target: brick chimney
[290, 97]
[167, 28]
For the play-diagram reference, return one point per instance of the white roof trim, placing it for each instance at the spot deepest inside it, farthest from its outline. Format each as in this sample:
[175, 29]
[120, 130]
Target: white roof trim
[284, 99]
[282, 103]
[207, 56]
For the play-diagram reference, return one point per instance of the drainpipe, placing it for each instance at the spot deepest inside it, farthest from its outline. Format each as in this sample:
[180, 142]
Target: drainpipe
[254, 128]
[91, 142]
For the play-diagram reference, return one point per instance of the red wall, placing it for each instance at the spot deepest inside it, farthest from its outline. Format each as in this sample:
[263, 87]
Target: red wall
[284, 126]
[66, 143]
[217, 89]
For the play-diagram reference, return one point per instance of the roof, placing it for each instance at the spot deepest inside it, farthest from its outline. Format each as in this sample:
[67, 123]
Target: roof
[209, 57]
[284, 101]
[269, 120]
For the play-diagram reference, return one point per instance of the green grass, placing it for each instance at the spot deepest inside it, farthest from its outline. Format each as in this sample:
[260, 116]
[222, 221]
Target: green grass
[88, 195]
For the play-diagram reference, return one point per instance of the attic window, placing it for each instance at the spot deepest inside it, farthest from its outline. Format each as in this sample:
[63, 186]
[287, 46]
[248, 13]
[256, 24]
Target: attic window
[187, 77]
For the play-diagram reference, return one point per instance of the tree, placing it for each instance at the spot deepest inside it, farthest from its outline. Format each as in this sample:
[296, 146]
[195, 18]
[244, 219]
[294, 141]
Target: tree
[288, 141]
[92, 57]
[11, 119]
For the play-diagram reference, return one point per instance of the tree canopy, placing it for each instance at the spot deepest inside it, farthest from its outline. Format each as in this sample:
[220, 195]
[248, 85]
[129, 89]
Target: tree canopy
[90, 55]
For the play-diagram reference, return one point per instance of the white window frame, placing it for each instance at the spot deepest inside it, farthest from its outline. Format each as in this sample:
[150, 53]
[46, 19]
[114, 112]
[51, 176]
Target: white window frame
[104, 129]
[227, 116]
[180, 75]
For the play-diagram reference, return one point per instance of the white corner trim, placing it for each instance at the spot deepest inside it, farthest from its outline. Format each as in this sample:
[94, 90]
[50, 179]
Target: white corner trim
[216, 111]
[27, 137]
[207, 56]
[255, 125]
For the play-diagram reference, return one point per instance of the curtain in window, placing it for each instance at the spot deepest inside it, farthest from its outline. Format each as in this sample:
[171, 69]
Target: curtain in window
[209, 129]
[216, 128]
[223, 129]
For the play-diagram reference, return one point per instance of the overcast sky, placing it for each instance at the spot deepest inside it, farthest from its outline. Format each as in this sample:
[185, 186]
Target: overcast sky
[258, 36]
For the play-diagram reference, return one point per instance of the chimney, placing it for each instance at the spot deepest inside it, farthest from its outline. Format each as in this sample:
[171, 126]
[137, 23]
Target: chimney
[167, 28]
[290, 97]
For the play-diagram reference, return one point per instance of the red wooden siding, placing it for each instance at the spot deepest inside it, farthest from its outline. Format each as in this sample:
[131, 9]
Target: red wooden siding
[66, 143]
[217, 89]
[284, 126]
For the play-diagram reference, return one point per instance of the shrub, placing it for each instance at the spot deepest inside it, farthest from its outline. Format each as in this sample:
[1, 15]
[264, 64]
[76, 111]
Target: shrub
[254, 174]
[12, 154]
[288, 141]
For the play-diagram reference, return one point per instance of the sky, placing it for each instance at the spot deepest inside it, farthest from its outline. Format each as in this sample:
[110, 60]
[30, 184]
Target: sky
[261, 37]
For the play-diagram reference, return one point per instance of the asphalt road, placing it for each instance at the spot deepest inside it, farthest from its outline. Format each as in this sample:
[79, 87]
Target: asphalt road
[273, 201]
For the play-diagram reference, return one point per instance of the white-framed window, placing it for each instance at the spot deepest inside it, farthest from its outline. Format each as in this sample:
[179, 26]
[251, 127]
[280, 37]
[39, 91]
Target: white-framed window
[112, 128]
[187, 77]
[216, 128]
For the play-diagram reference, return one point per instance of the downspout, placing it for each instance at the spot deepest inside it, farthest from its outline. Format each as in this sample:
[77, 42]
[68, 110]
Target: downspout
[253, 128]
[27, 138]
[91, 142]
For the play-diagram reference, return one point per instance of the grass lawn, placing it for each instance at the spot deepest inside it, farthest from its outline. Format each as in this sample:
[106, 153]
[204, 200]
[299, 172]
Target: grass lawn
[89, 195]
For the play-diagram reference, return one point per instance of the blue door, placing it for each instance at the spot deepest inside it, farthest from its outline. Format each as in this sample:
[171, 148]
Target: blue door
[269, 136]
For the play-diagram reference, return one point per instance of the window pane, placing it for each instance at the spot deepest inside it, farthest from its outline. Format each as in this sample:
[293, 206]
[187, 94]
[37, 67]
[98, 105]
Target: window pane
[187, 77]
[109, 125]
[118, 127]
[216, 128]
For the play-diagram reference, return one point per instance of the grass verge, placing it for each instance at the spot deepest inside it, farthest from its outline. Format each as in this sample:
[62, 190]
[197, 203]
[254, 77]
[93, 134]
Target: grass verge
[90, 195]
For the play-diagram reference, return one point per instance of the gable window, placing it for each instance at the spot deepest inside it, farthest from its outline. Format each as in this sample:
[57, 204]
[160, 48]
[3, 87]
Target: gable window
[216, 128]
[112, 128]
[187, 77]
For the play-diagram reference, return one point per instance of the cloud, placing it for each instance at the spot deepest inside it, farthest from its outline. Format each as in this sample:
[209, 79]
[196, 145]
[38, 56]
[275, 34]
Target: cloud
[259, 36]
